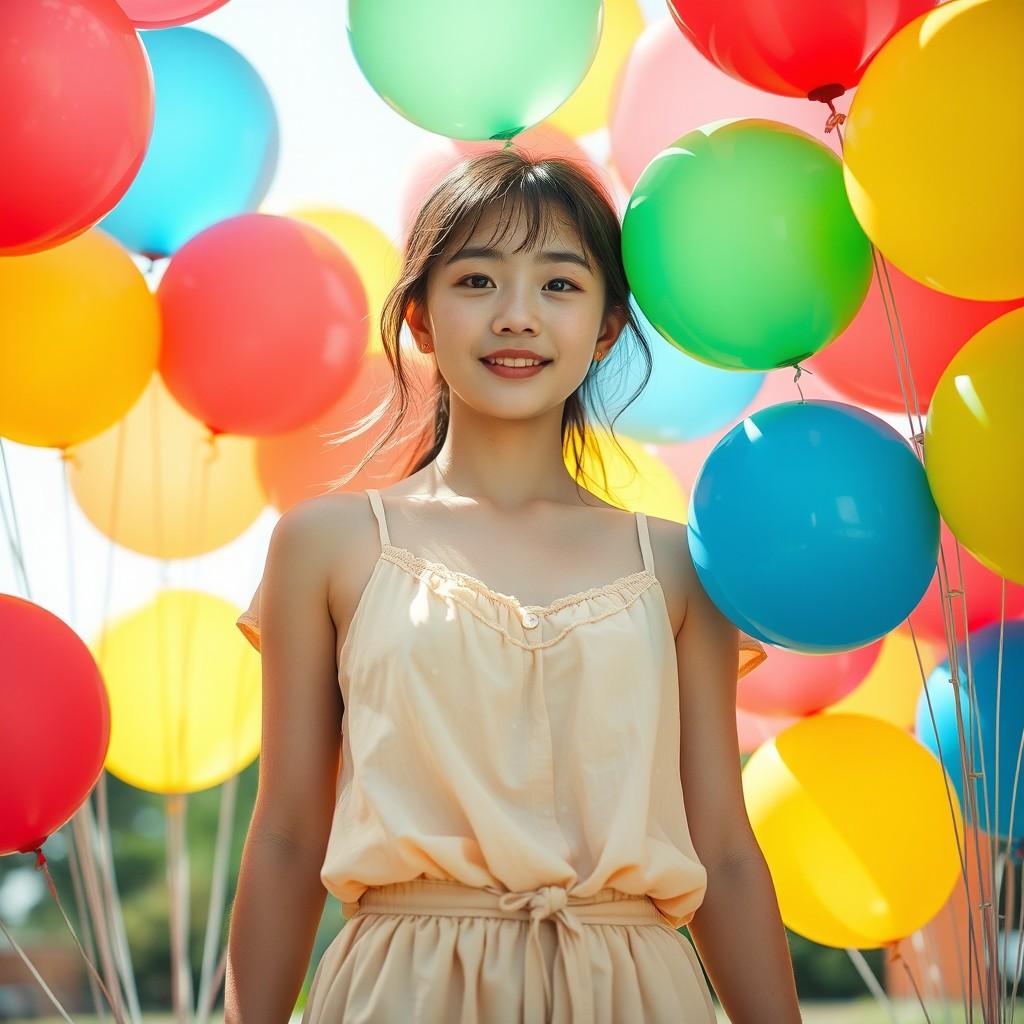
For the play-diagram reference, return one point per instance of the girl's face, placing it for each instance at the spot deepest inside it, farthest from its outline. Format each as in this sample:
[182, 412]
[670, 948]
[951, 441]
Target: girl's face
[481, 300]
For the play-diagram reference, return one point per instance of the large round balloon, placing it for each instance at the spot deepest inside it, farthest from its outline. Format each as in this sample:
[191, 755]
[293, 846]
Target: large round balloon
[184, 694]
[684, 398]
[981, 600]
[165, 13]
[841, 541]
[801, 684]
[158, 484]
[264, 324]
[801, 46]
[667, 88]
[481, 73]
[79, 340]
[987, 721]
[853, 818]
[740, 246]
[75, 120]
[933, 161]
[861, 363]
[54, 724]
[974, 445]
[214, 148]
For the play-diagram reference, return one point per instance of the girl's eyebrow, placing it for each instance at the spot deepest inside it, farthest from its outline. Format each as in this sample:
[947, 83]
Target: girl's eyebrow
[549, 256]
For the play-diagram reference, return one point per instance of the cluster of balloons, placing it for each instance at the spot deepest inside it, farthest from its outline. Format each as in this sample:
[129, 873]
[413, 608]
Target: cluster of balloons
[749, 245]
[750, 240]
[157, 396]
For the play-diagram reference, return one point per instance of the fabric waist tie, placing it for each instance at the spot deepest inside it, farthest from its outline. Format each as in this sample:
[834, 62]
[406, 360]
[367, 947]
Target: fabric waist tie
[568, 913]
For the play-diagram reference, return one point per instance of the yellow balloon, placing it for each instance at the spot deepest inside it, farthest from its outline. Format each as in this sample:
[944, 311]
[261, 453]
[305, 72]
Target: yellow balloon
[974, 445]
[934, 152]
[184, 688]
[649, 488]
[853, 818]
[80, 340]
[891, 689]
[377, 261]
[586, 110]
[157, 484]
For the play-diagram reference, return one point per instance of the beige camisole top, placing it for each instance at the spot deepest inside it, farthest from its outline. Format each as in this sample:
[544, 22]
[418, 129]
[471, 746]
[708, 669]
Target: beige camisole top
[506, 745]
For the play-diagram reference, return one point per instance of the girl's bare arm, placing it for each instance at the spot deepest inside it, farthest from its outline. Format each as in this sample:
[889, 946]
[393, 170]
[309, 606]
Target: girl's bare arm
[280, 898]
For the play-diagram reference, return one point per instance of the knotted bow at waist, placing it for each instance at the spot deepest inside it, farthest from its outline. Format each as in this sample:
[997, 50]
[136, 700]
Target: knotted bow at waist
[568, 913]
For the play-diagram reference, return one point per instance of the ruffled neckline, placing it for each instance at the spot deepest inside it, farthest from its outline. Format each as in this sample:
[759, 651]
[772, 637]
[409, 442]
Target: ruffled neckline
[416, 565]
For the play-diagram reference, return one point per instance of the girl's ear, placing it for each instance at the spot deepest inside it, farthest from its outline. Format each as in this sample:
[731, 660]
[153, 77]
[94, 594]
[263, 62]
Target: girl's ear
[415, 321]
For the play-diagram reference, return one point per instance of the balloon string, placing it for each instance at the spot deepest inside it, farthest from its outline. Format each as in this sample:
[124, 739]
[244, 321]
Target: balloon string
[796, 379]
[41, 865]
[896, 957]
[835, 119]
[912, 407]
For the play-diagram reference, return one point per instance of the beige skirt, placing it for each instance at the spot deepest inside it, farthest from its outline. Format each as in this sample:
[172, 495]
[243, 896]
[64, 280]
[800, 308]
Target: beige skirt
[438, 952]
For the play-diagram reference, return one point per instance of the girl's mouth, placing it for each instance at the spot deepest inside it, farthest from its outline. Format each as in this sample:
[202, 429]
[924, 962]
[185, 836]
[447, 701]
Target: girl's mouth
[514, 372]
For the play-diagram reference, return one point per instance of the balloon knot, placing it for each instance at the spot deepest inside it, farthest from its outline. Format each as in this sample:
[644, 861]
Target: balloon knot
[835, 119]
[40, 858]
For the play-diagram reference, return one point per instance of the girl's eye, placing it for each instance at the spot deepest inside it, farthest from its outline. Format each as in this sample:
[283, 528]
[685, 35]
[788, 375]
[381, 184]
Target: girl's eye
[483, 277]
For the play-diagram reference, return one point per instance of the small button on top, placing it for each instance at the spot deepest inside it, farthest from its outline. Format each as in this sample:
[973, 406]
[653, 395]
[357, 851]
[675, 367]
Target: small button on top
[530, 620]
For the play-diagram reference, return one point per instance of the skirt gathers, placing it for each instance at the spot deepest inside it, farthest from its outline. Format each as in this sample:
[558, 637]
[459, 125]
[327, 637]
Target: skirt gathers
[439, 952]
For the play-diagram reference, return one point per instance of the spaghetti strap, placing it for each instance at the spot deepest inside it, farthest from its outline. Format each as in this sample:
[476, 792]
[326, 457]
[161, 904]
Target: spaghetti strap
[645, 541]
[378, 510]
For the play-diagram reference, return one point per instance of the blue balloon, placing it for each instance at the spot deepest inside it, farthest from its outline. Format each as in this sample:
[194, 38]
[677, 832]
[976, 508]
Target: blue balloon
[684, 399]
[812, 527]
[214, 148]
[984, 725]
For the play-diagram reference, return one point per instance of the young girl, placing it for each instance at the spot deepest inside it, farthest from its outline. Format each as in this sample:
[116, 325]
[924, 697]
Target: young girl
[486, 691]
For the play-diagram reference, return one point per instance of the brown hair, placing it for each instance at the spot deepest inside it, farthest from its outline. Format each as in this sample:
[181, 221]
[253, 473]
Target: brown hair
[542, 188]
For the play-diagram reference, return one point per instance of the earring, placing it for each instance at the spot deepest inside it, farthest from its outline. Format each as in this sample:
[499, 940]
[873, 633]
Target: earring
[598, 356]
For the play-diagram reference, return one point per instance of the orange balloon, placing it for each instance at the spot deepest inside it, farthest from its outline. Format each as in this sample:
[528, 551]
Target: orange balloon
[157, 483]
[302, 463]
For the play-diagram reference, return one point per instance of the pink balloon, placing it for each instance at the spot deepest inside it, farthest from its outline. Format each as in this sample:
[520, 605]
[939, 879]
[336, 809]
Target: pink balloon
[667, 88]
[540, 141]
[982, 589]
[265, 323]
[75, 120]
[753, 730]
[794, 684]
[165, 13]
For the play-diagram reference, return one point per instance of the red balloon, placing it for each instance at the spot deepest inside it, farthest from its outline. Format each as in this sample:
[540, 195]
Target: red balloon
[982, 589]
[54, 724]
[794, 47]
[265, 323]
[794, 684]
[75, 121]
[861, 364]
[165, 13]
[666, 89]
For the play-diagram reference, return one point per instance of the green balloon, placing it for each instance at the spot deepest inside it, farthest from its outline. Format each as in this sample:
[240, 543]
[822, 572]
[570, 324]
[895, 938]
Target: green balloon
[482, 70]
[741, 247]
